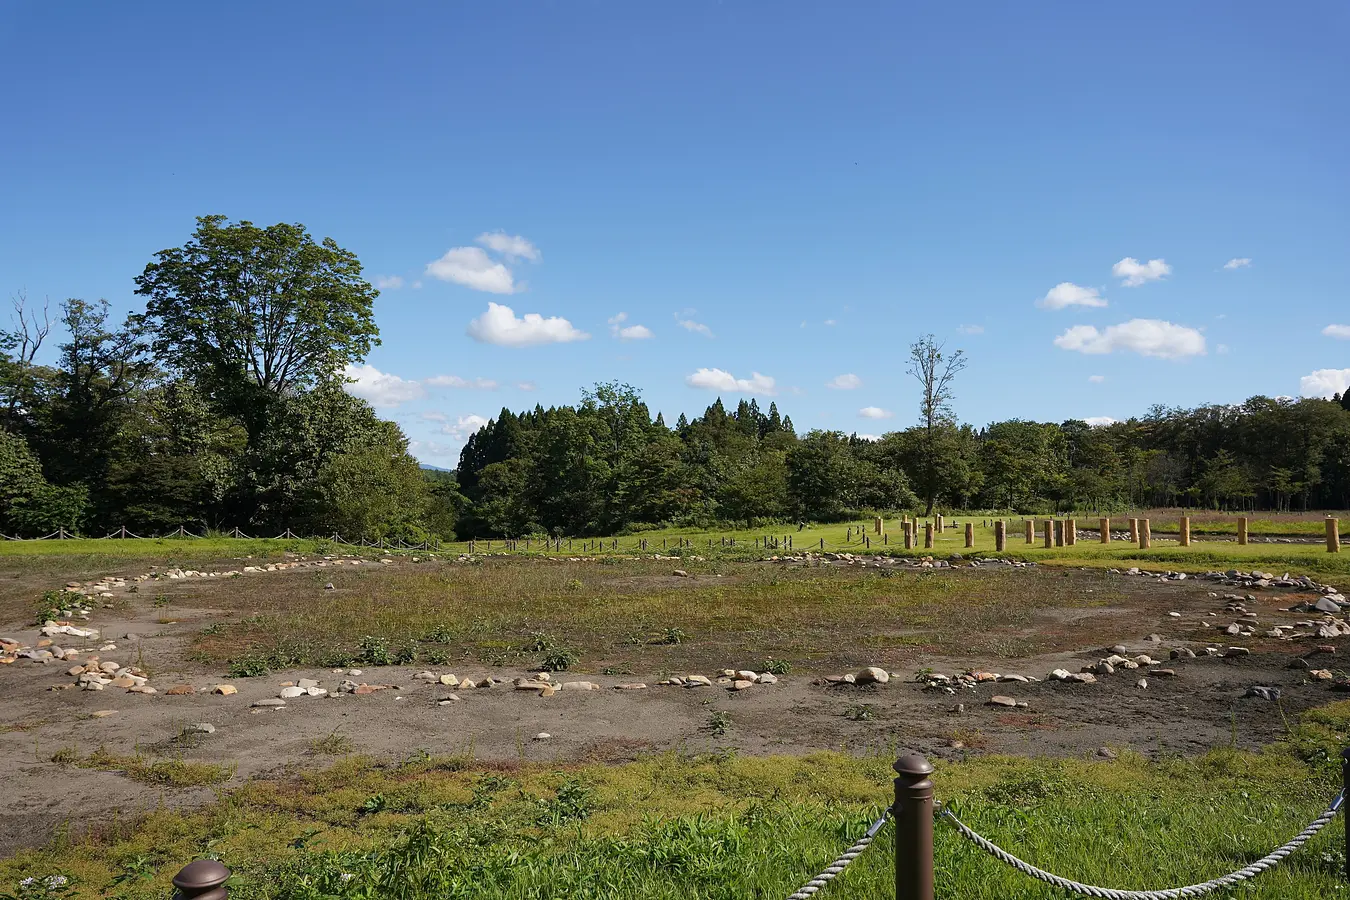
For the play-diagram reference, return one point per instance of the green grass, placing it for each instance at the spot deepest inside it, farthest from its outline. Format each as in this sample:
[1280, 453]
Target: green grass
[724, 827]
[173, 772]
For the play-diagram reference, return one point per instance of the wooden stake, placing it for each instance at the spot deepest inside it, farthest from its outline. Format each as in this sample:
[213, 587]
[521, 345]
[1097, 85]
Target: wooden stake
[1105, 525]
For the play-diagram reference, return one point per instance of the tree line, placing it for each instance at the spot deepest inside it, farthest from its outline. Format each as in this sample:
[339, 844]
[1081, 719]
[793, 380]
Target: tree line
[223, 404]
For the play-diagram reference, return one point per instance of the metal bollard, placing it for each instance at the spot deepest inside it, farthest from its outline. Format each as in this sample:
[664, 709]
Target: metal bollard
[913, 813]
[202, 879]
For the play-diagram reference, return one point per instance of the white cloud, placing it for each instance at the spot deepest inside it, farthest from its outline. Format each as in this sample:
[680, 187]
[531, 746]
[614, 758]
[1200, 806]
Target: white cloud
[1096, 379]
[381, 389]
[526, 386]
[434, 416]
[1066, 293]
[454, 381]
[388, 282]
[1099, 421]
[473, 268]
[417, 285]
[846, 382]
[500, 326]
[1147, 337]
[1238, 263]
[719, 380]
[463, 426]
[1136, 273]
[432, 448]
[1222, 348]
[867, 437]
[510, 246]
[829, 322]
[627, 332]
[1324, 383]
[1337, 331]
[875, 412]
[970, 329]
[696, 327]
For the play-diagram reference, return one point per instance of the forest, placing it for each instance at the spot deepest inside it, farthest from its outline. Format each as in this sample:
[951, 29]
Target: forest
[223, 405]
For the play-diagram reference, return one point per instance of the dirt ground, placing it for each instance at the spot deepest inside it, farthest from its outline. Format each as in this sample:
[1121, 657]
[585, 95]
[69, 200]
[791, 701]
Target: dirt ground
[1202, 707]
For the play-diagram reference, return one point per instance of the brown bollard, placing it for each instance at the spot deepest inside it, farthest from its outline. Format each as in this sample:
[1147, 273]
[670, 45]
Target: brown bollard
[204, 879]
[1000, 535]
[913, 812]
[1059, 534]
[1184, 531]
[1333, 535]
[1145, 535]
[1134, 531]
[1048, 530]
[1242, 542]
[909, 534]
[1031, 531]
[1105, 525]
[970, 534]
[928, 535]
[1070, 532]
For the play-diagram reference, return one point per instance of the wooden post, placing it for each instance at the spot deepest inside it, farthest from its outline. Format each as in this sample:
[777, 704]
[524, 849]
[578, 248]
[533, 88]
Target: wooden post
[1031, 530]
[1145, 535]
[1000, 535]
[1059, 532]
[913, 811]
[1105, 525]
[1242, 542]
[1048, 531]
[928, 535]
[1070, 532]
[908, 528]
[1134, 531]
[970, 534]
[1333, 535]
[1184, 531]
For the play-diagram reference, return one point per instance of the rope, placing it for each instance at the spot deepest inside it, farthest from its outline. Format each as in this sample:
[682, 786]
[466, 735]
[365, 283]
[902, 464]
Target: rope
[1274, 858]
[833, 869]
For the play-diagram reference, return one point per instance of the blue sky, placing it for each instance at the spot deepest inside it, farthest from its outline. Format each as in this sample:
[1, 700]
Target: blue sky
[1105, 206]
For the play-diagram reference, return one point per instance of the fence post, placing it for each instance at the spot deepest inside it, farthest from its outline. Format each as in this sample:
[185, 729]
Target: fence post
[913, 813]
[1059, 533]
[1070, 532]
[1145, 535]
[1184, 531]
[970, 534]
[928, 535]
[203, 879]
[1333, 535]
[1105, 525]
[1048, 531]
[1134, 531]
[1242, 538]
[1031, 530]
[1000, 535]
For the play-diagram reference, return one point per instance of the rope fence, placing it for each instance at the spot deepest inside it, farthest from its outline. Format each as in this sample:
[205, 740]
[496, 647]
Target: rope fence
[914, 813]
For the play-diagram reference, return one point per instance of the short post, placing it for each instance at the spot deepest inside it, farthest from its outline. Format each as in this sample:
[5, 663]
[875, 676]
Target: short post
[1000, 535]
[204, 879]
[1242, 541]
[913, 812]
[928, 535]
[1105, 525]
[1134, 531]
[1184, 531]
[1070, 532]
[908, 528]
[1031, 531]
[1333, 535]
[1049, 533]
[822, 543]
[1145, 535]
[970, 534]
[1059, 533]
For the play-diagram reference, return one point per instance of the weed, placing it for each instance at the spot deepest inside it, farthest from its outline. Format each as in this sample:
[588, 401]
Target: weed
[860, 712]
[331, 744]
[673, 635]
[541, 641]
[214, 628]
[53, 604]
[559, 659]
[573, 585]
[719, 722]
[777, 666]
[160, 601]
[375, 651]
[249, 666]
[573, 802]
[441, 634]
[373, 804]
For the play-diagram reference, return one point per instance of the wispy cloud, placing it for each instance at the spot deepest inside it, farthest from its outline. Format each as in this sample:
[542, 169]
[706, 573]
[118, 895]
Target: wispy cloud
[696, 327]
[847, 382]
[1066, 294]
[510, 246]
[380, 389]
[1096, 379]
[721, 380]
[627, 332]
[1136, 273]
[875, 412]
[970, 329]
[1147, 337]
[388, 282]
[454, 381]
[502, 327]
[1341, 332]
[1238, 262]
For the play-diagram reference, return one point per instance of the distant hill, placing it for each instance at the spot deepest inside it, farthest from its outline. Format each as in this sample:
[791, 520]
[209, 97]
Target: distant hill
[430, 468]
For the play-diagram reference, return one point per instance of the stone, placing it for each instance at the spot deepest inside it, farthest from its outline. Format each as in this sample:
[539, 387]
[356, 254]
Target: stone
[199, 728]
[1018, 678]
[1083, 678]
[768, 678]
[449, 680]
[997, 700]
[328, 586]
[697, 681]
[1060, 674]
[543, 736]
[635, 686]
[468, 684]
[872, 675]
[680, 573]
[747, 675]
[123, 681]
[316, 692]
[1121, 649]
[1107, 753]
[225, 690]
[306, 683]
[448, 701]
[1320, 675]
[425, 676]
[1237, 652]
[1325, 604]
[580, 686]
[290, 693]
[269, 702]
[1165, 673]
[741, 684]
[526, 685]
[1263, 692]
[103, 713]
[1142, 683]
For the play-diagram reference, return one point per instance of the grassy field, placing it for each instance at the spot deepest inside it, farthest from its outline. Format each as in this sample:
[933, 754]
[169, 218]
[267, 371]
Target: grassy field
[721, 826]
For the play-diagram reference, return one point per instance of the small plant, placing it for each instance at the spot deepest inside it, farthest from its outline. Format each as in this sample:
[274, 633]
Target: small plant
[160, 601]
[437, 656]
[719, 722]
[331, 744]
[374, 804]
[486, 787]
[777, 666]
[406, 654]
[52, 604]
[672, 635]
[541, 641]
[249, 666]
[616, 670]
[860, 712]
[50, 887]
[66, 756]
[441, 634]
[559, 659]
[573, 585]
[375, 651]
[214, 628]
[924, 675]
[572, 803]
